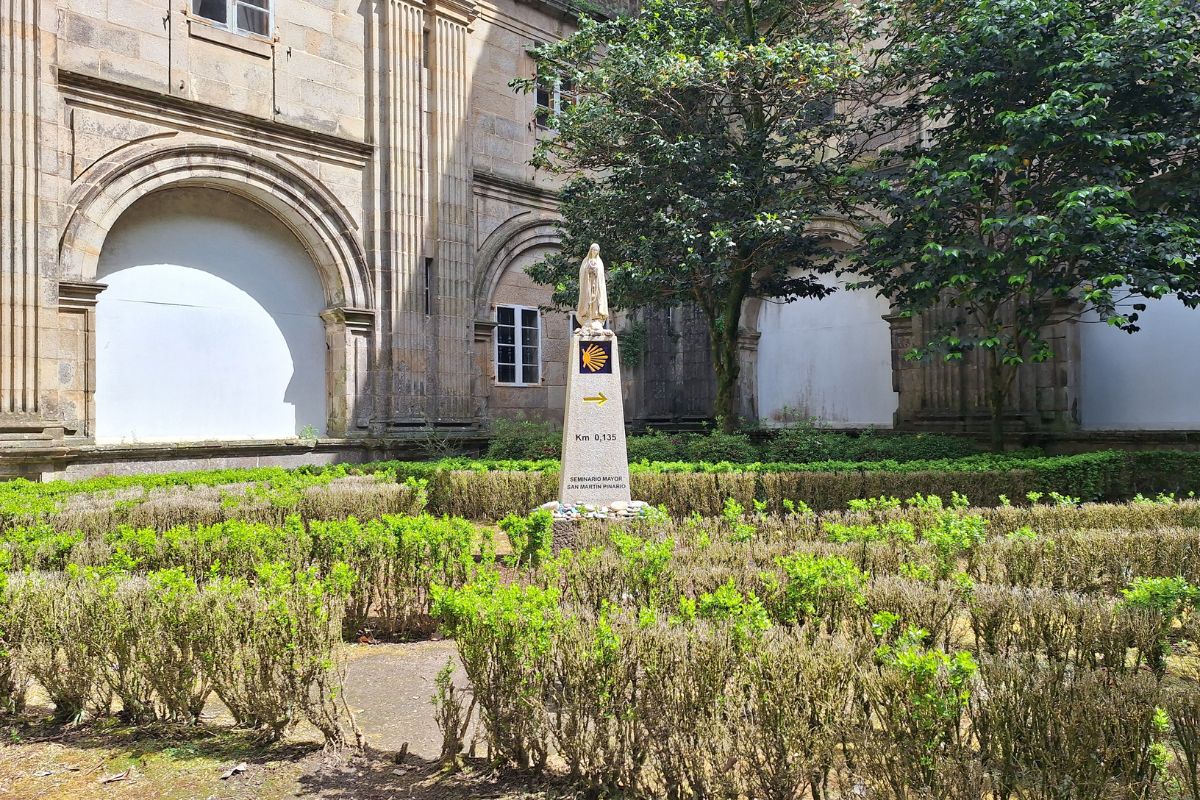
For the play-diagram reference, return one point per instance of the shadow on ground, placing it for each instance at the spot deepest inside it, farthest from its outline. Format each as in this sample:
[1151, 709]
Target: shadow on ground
[375, 775]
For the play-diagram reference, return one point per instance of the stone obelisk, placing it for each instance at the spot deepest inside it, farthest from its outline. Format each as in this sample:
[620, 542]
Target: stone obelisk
[595, 465]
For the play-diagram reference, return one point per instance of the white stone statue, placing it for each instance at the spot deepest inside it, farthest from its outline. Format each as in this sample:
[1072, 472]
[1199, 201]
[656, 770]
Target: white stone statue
[592, 309]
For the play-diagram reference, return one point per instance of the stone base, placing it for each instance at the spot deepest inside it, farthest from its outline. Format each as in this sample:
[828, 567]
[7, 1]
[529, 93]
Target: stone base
[617, 509]
[568, 518]
[564, 535]
[75, 459]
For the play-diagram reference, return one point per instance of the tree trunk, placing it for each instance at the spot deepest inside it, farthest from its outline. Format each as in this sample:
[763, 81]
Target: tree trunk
[724, 331]
[725, 361]
[998, 385]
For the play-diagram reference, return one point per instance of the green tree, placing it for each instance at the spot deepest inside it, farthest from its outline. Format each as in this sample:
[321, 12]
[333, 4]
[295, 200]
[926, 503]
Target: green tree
[1058, 175]
[705, 137]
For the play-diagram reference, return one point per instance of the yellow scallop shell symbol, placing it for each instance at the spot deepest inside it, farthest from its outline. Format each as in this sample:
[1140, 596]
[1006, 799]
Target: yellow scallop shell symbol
[594, 357]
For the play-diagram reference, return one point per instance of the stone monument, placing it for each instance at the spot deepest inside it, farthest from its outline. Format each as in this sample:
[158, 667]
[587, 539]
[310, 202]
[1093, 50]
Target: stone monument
[595, 466]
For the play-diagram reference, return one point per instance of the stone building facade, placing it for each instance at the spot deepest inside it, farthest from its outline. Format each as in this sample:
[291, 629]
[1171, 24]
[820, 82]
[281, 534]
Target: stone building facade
[239, 224]
[228, 221]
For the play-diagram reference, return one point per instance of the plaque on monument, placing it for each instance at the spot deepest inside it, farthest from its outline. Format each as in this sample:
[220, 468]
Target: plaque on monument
[595, 465]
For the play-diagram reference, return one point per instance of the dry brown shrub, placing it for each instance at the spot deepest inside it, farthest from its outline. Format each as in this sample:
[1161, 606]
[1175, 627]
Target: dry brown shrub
[490, 495]
[1050, 731]
[1086, 631]
[685, 676]
[57, 625]
[1183, 704]
[684, 493]
[786, 713]
[361, 496]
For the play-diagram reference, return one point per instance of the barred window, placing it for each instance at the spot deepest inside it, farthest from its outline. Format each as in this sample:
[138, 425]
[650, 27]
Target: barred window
[518, 346]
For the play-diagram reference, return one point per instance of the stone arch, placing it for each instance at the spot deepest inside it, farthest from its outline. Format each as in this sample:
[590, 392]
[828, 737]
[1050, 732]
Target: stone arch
[515, 239]
[512, 239]
[322, 225]
[842, 373]
[307, 208]
[834, 229]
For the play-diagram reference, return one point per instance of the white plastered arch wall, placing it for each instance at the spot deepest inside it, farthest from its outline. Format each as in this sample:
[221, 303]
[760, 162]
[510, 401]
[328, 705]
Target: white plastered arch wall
[826, 359]
[308, 210]
[515, 241]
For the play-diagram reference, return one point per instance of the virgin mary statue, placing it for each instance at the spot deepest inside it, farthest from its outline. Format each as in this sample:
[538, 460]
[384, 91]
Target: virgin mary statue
[592, 310]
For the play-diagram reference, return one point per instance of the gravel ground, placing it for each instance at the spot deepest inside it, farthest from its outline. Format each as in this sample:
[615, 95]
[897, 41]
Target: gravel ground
[389, 686]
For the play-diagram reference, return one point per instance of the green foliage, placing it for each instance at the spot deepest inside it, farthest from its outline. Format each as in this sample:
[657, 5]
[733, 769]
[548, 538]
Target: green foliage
[745, 613]
[503, 633]
[816, 587]
[645, 561]
[531, 536]
[809, 443]
[522, 438]
[1168, 596]
[657, 446]
[396, 557]
[1171, 599]
[920, 695]
[895, 531]
[954, 536]
[734, 514]
[717, 446]
[1058, 179]
[713, 126]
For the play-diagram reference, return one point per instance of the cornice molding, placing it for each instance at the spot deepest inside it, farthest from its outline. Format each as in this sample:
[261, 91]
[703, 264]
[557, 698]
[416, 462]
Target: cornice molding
[361, 320]
[462, 11]
[491, 184]
[180, 113]
[79, 295]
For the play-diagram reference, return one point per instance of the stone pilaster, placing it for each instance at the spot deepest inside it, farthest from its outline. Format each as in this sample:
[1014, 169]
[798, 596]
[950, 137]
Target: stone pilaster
[747, 396]
[403, 184]
[453, 268]
[21, 312]
[941, 395]
[77, 355]
[485, 329]
[348, 344]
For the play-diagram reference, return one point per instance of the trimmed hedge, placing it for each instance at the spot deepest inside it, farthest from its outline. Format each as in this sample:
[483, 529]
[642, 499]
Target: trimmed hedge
[492, 489]
[533, 439]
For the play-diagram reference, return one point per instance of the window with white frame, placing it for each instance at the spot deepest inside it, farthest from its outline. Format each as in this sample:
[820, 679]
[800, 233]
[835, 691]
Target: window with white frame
[518, 345]
[554, 94]
[240, 16]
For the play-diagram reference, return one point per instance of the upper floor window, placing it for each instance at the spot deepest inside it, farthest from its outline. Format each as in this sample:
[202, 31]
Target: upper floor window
[518, 346]
[243, 16]
[554, 94]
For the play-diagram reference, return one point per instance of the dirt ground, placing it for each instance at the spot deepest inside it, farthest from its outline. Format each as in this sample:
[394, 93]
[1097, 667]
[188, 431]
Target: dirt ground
[389, 686]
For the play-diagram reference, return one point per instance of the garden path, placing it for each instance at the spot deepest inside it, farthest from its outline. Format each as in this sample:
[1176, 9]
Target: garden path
[389, 687]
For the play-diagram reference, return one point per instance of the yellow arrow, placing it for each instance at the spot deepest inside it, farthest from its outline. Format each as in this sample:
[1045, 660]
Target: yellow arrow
[599, 399]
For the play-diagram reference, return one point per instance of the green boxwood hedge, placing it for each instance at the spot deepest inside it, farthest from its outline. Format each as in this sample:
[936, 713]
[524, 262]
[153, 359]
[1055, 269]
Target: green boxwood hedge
[492, 488]
[483, 489]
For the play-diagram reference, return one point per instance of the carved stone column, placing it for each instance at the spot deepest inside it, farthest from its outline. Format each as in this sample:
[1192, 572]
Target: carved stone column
[23, 246]
[906, 379]
[453, 263]
[485, 329]
[935, 394]
[747, 395]
[403, 199]
[77, 351]
[348, 334]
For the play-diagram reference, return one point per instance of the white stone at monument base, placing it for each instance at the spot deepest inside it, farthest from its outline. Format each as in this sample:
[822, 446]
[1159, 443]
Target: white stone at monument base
[595, 464]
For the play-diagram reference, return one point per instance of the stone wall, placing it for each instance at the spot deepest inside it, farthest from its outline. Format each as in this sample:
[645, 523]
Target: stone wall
[382, 134]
